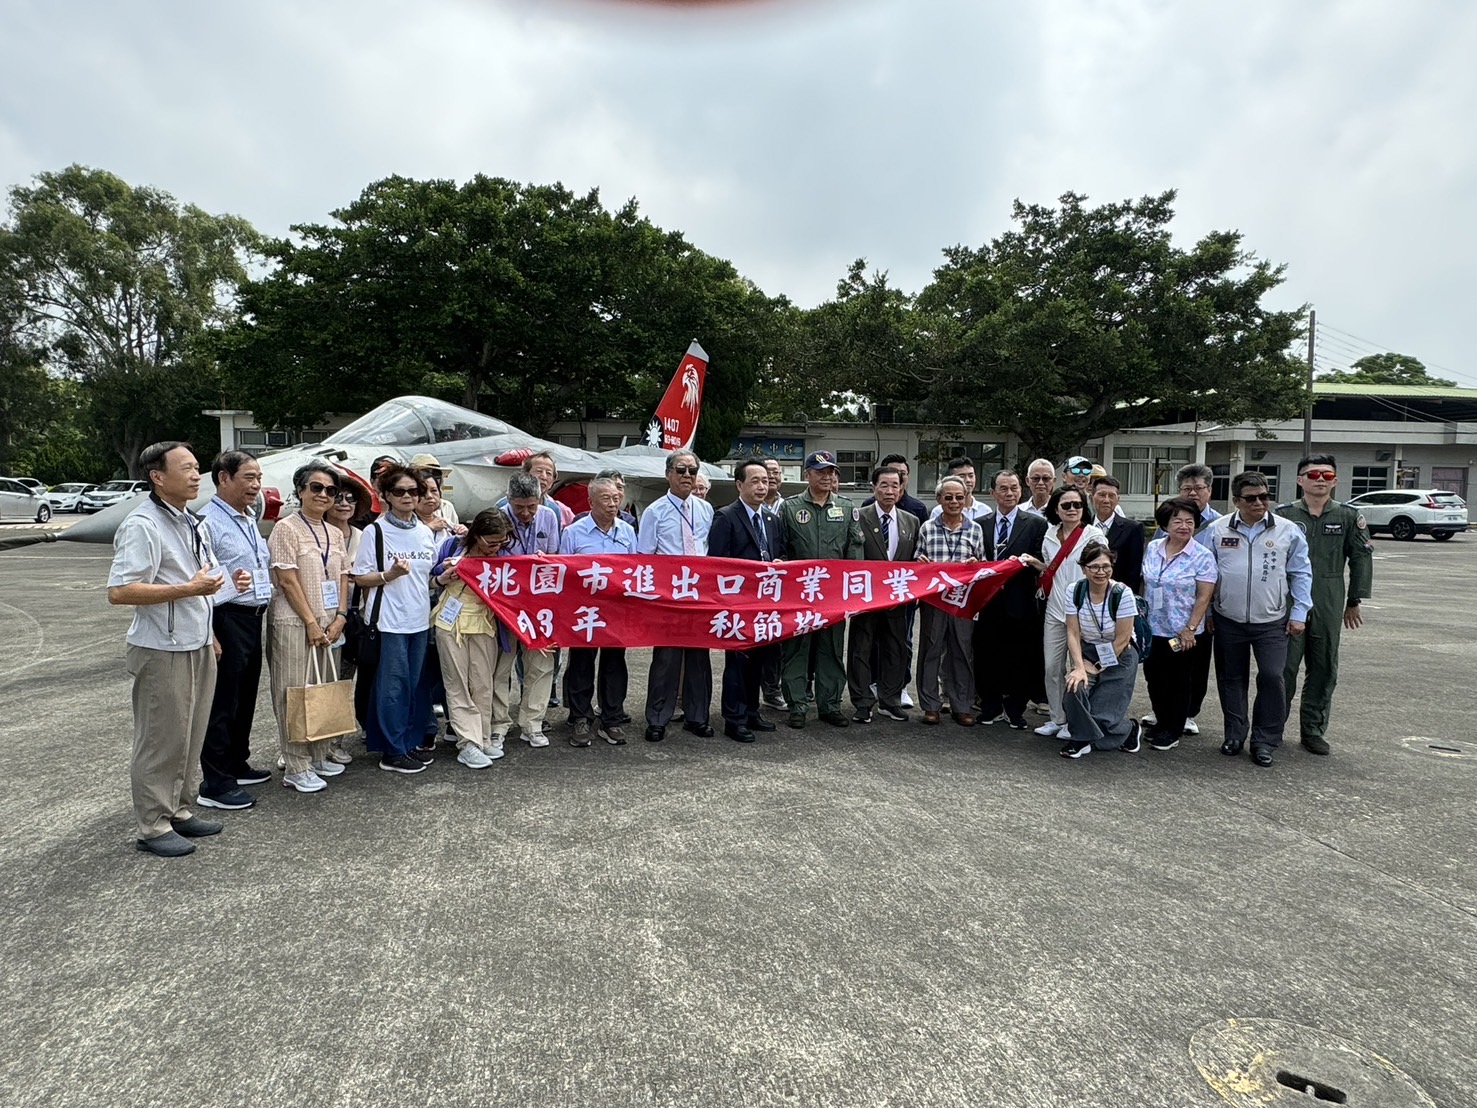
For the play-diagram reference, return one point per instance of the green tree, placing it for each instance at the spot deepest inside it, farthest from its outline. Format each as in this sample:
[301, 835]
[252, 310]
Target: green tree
[524, 301]
[1386, 369]
[124, 285]
[1081, 321]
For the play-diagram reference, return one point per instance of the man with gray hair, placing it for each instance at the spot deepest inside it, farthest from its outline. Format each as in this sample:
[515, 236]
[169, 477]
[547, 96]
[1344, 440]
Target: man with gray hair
[678, 524]
[600, 532]
[1040, 480]
[535, 531]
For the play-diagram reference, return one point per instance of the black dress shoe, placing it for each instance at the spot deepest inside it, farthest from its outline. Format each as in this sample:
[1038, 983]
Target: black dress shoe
[835, 719]
[739, 733]
[197, 827]
[168, 845]
[863, 715]
[759, 723]
[1261, 756]
[701, 730]
[1231, 747]
[797, 720]
[1315, 744]
[655, 734]
[1017, 723]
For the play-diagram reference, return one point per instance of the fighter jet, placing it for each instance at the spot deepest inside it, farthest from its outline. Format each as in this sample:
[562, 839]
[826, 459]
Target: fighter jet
[477, 452]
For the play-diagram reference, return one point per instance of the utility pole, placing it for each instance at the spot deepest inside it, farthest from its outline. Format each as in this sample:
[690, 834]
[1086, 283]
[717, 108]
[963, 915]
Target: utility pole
[1308, 411]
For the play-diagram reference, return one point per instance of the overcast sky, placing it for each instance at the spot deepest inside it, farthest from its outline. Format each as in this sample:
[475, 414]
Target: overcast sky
[795, 135]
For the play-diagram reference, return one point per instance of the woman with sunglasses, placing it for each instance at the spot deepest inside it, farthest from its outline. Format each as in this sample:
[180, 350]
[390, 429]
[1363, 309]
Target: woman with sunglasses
[310, 572]
[1104, 663]
[352, 510]
[1179, 581]
[469, 640]
[1060, 569]
[946, 643]
[393, 567]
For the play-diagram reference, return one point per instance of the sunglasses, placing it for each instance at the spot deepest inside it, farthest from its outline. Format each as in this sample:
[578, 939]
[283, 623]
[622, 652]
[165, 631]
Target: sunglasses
[1042, 479]
[1069, 506]
[1254, 497]
[320, 488]
[1319, 474]
[344, 498]
[406, 490]
[1079, 470]
[686, 471]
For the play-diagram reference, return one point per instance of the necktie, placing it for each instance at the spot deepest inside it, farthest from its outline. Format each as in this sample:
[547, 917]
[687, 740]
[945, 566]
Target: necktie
[689, 535]
[763, 533]
[1002, 534]
[886, 518]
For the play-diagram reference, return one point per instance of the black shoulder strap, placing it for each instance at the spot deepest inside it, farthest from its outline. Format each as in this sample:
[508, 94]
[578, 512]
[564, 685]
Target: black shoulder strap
[379, 564]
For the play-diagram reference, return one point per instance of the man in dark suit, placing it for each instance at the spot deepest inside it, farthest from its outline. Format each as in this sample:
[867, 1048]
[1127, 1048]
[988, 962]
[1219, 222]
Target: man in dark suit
[1007, 635]
[1125, 536]
[746, 529]
[889, 534]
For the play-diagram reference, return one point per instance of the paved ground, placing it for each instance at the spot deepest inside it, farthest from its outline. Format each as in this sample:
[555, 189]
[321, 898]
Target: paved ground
[895, 915]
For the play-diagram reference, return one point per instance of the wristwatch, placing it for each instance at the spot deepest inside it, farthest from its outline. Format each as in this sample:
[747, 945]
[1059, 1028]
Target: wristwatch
[1352, 603]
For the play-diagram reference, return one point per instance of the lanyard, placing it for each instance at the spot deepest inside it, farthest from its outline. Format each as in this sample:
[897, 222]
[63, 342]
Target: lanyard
[527, 536]
[954, 549]
[325, 548]
[689, 521]
[1102, 620]
[256, 550]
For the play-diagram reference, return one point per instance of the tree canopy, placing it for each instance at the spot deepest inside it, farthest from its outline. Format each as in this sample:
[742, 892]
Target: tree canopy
[524, 301]
[120, 286]
[1386, 369]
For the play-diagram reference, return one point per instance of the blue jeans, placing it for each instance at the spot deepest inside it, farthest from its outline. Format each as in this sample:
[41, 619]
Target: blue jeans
[399, 716]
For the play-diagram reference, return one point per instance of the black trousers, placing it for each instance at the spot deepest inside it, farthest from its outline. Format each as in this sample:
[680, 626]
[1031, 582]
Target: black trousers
[1170, 676]
[1200, 675]
[238, 676]
[877, 653]
[580, 679]
[1008, 664]
[1235, 645]
[661, 685]
[743, 674]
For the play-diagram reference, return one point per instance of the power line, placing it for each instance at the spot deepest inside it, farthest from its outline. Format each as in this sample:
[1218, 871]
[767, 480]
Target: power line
[1380, 348]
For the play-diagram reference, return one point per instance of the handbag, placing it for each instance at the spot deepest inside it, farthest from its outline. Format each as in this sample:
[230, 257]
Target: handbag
[320, 709]
[361, 637]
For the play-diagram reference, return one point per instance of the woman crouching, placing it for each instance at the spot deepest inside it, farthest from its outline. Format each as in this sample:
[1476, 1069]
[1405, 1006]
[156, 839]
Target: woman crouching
[1099, 686]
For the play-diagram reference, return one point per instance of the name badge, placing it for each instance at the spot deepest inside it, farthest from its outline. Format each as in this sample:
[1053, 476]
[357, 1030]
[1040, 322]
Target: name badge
[1333, 528]
[330, 596]
[1105, 655]
[261, 586]
[834, 512]
[1230, 541]
[451, 607]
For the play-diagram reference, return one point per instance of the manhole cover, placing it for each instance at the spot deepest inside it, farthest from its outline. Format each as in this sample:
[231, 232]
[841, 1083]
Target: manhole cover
[1254, 1062]
[1453, 749]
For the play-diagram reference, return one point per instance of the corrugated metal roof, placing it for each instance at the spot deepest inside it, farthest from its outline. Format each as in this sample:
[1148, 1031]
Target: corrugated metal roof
[1405, 392]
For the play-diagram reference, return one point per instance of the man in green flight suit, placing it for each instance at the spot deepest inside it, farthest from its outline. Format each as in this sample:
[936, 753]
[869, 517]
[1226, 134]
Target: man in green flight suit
[819, 524]
[1337, 536]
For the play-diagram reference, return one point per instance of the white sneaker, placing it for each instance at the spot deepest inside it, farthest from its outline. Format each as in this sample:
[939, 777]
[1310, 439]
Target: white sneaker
[281, 761]
[1065, 733]
[326, 768]
[536, 738]
[906, 701]
[1150, 720]
[472, 757]
[1191, 727]
[494, 747]
[1049, 730]
[305, 782]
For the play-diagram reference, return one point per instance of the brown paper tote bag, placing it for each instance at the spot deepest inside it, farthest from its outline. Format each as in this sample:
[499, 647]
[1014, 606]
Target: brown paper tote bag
[320, 709]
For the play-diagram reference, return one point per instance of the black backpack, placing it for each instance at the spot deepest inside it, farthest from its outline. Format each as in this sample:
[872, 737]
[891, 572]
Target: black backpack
[1143, 637]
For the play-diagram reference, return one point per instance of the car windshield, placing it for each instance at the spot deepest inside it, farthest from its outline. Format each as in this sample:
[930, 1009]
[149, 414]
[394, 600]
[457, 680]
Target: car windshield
[1448, 500]
[417, 421]
[117, 486]
[70, 487]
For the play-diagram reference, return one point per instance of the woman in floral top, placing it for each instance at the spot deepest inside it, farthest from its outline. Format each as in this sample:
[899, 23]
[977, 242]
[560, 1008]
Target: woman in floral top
[1179, 579]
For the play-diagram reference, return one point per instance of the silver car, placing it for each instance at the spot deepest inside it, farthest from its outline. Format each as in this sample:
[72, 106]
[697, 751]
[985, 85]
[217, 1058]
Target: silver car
[18, 501]
[66, 497]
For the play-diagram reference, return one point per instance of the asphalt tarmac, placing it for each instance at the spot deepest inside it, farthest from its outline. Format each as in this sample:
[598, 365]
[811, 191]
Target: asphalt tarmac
[886, 915]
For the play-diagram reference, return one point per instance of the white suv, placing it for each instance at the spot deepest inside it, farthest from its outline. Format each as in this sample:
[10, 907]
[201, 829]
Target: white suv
[1406, 513]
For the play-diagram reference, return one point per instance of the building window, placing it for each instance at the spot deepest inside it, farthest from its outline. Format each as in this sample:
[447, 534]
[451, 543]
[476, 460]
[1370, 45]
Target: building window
[1408, 477]
[1272, 474]
[855, 466]
[311, 436]
[1220, 483]
[1369, 479]
[609, 442]
[247, 439]
[1144, 469]
[569, 438]
[933, 461]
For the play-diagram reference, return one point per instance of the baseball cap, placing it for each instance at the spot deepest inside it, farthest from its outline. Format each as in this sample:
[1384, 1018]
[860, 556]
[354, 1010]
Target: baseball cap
[821, 459]
[1077, 461]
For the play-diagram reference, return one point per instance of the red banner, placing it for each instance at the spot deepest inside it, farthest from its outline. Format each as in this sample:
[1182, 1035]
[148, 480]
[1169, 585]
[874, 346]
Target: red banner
[593, 600]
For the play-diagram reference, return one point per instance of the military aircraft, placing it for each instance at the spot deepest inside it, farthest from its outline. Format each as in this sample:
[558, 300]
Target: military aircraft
[478, 453]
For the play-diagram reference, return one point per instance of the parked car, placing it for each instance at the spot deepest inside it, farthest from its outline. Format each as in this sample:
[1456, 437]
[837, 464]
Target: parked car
[18, 501]
[31, 483]
[110, 494]
[65, 497]
[1406, 513]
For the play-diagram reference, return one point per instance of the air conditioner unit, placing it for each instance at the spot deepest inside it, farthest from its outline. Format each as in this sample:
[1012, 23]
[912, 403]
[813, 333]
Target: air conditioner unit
[278, 438]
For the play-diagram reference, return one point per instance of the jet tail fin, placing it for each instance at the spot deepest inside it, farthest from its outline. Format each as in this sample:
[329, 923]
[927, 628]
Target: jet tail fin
[675, 424]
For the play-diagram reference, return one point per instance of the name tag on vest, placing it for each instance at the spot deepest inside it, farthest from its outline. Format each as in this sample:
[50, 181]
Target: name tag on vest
[1231, 540]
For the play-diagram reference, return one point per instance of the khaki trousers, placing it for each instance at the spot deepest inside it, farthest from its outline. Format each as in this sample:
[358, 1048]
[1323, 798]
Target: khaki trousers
[287, 658]
[538, 679]
[172, 692]
[468, 671]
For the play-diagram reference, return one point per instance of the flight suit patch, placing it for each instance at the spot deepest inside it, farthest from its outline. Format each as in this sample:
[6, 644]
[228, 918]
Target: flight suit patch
[802, 516]
[833, 512]
[1333, 528]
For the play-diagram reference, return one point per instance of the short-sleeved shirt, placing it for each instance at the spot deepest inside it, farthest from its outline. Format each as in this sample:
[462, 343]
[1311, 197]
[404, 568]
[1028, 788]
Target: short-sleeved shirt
[966, 543]
[238, 543]
[406, 608]
[319, 554]
[665, 524]
[1169, 585]
[159, 545]
[1068, 572]
[584, 536]
[1098, 621]
[539, 537]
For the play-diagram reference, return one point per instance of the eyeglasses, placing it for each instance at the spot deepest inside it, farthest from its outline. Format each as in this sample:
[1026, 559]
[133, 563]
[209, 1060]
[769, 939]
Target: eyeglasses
[1041, 479]
[1098, 569]
[1194, 488]
[320, 488]
[405, 490]
[1318, 474]
[686, 471]
[1254, 497]
[1069, 506]
[1079, 470]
